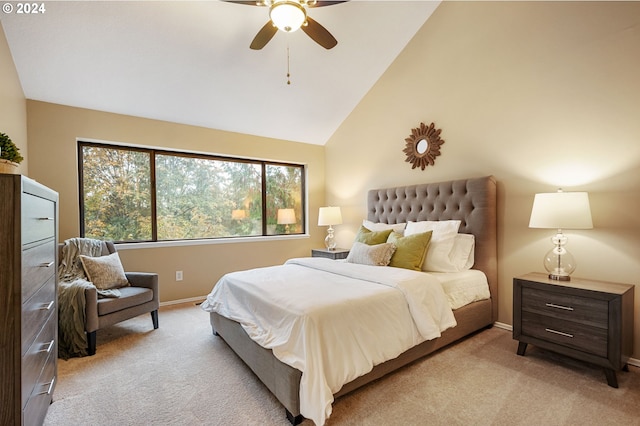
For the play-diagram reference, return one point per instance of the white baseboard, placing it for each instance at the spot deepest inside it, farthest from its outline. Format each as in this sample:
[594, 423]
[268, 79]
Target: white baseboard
[180, 301]
[503, 326]
[632, 361]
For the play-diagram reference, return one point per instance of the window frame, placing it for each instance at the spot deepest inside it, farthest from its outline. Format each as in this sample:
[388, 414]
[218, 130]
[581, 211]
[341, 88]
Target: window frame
[152, 151]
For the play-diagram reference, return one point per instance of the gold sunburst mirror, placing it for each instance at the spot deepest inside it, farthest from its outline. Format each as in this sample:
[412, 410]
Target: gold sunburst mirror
[423, 146]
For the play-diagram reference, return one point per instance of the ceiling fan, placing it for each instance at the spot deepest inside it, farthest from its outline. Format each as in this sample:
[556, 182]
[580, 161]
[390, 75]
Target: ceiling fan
[288, 16]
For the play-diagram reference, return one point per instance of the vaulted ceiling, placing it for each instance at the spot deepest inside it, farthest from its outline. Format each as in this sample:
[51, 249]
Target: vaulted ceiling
[189, 61]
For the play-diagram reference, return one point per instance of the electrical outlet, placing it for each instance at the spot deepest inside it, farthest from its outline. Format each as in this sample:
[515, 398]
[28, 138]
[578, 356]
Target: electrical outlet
[178, 275]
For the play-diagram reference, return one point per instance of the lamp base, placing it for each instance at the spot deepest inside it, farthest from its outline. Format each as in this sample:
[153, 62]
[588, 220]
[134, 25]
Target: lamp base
[558, 262]
[559, 277]
[329, 241]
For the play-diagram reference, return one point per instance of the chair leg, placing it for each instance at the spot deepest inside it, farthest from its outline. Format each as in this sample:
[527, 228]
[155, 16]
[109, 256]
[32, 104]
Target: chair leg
[91, 343]
[154, 318]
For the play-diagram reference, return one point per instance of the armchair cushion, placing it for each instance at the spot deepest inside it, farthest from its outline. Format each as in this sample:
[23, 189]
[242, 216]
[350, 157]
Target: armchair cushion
[130, 296]
[105, 272]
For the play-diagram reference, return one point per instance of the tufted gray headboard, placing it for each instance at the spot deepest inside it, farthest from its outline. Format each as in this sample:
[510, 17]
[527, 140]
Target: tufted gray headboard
[473, 201]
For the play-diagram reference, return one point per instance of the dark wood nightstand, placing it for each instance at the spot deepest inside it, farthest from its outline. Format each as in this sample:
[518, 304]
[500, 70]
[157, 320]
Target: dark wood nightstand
[585, 319]
[334, 254]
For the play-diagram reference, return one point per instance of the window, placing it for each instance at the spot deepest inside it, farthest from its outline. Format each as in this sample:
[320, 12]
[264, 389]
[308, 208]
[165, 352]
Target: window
[135, 195]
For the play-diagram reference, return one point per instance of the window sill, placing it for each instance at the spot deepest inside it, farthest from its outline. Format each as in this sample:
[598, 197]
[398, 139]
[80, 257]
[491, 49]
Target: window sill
[204, 242]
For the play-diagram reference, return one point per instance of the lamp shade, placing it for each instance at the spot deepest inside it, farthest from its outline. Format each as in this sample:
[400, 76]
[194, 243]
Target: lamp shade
[328, 216]
[287, 15]
[561, 210]
[286, 216]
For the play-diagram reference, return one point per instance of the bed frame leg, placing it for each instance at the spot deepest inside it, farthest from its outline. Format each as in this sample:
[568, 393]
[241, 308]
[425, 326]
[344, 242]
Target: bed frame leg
[295, 420]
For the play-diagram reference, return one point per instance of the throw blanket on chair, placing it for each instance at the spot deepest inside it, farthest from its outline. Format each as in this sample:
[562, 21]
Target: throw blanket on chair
[72, 282]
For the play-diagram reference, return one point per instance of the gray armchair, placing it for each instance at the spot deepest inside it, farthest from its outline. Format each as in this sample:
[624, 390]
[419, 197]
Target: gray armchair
[140, 297]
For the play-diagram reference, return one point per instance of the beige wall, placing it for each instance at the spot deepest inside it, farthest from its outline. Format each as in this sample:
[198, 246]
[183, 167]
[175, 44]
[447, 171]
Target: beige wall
[13, 105]
[53, 130]
[538, 94]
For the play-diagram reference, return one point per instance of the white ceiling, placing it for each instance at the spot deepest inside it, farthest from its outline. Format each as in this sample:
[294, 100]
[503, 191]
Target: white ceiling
[189, 61]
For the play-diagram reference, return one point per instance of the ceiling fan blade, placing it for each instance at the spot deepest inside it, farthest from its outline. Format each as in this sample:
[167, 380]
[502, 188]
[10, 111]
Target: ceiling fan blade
[248, 2]
[319, 34]
[320, 3]
[265, 34]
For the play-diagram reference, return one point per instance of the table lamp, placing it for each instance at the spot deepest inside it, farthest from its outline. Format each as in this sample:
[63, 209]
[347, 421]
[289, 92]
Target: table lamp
[329, 216]
[560, 210]
[286, 217]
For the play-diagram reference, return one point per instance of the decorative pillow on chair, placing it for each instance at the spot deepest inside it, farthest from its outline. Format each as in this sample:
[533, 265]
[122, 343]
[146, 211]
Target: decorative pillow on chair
[370, 237]
[105, 272]
[377, 255]
[410, 250]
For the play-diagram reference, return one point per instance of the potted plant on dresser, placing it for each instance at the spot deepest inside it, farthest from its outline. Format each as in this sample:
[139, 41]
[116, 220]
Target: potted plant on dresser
[9, 154]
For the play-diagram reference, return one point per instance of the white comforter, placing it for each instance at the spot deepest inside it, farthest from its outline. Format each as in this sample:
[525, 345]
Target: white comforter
[332, 320]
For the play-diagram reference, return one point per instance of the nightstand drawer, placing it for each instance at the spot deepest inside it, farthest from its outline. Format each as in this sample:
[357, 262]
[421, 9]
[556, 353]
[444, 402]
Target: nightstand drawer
[589, 339]
[593, 312]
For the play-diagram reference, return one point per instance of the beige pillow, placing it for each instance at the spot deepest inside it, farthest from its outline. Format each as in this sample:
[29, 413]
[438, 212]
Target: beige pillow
[377, 255]
[105, 272]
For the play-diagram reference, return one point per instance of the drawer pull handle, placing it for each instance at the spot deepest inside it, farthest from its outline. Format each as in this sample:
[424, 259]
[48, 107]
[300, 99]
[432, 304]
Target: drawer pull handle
[45, 218]
[49, 346]
[47, 306]
[553, 305]
[47, 265]
[550, 330]
[50, 388]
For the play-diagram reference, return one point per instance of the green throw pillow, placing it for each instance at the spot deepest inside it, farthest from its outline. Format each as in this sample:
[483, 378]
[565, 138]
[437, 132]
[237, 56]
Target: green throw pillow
[410, 250]
[372, 238]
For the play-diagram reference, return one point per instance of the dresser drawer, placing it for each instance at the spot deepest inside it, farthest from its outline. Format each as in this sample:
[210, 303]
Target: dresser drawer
[36, 357]
[38, 218]
[38, 265]
[593, 312]
[575, 335]
[35, 409]
[35, 312]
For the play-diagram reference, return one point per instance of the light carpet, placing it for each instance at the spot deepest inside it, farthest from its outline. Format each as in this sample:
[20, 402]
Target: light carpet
[181, 374]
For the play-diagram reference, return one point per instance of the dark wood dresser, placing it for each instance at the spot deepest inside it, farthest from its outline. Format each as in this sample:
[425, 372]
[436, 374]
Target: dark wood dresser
[28, 299]
[584, 319]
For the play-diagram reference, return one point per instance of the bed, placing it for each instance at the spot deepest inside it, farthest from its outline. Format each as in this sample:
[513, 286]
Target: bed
[473, 203]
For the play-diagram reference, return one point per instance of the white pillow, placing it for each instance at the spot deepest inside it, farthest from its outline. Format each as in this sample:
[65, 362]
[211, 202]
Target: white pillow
[462, 254]
[441, 229]
[377, 226]
[442, 239]
[376, 255]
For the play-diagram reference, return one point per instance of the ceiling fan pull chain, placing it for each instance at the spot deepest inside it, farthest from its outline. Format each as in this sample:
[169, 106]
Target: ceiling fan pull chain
[288, 73]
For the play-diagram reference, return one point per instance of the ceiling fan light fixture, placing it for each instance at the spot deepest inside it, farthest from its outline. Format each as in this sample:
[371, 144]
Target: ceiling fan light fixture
[287, 15]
